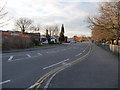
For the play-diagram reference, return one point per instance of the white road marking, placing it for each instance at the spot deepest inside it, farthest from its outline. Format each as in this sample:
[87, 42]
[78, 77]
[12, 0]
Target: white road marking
[47, 52]
[48, 82]
[5, 82]
[11, 57]
[51, 52]
[33, 85]
[56, 64]
[66, 59]
[78, 54]
[22, 58]
[39, 54]
[28, 55]
[83, 50]
[18, 59]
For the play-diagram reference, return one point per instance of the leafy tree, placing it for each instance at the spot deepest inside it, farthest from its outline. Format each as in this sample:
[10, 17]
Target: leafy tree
[61, 38]
[48, 36]
[106, 25]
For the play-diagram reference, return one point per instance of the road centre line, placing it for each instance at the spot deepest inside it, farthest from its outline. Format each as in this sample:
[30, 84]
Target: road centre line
[28, 55]
[83, 50]
[11, 57]
[64, 63]
[56, 64]
[5, 82]
[78, 54]
[33, 86]
[39, 54]
[48, 82]
[41, 80]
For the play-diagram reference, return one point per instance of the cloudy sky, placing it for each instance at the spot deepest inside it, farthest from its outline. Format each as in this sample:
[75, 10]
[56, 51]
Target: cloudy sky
[71, 13]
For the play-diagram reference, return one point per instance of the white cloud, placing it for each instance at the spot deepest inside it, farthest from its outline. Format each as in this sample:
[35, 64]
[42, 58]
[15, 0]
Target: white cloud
[46, 12]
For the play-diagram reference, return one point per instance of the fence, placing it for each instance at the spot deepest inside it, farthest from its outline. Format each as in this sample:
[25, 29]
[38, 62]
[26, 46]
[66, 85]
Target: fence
[115, 49]
[15, 42]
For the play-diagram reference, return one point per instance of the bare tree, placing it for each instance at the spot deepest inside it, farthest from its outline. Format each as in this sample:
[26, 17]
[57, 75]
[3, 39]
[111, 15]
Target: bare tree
[56, 30]
[53, 30]
[23, 23]
[35, 28]
[3, 14]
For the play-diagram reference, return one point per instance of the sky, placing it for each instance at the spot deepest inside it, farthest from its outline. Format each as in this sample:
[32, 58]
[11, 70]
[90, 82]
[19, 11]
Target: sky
[72, 13]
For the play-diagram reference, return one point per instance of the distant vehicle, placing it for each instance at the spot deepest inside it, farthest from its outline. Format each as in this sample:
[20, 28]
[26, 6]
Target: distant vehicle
[72, 41]
[45, 42]
[53, 40]
[43, 39]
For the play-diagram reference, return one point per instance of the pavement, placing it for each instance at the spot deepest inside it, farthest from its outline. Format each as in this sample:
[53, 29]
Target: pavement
[80, 65]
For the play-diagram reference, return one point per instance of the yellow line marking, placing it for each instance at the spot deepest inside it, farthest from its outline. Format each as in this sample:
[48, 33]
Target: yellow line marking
[41, 80]
[48, 74]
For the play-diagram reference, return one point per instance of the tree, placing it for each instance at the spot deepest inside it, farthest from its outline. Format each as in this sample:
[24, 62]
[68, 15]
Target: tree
[53, 30]
[23, 24]
[35, 28]
[61, 38]
[106, 25]
[3, 14]
[48, 36]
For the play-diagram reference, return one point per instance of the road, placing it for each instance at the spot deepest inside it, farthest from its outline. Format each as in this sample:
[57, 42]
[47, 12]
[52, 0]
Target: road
[80, 65]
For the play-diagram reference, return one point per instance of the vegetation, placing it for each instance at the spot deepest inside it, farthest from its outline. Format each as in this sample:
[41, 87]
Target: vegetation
[53, 30]
[23, 23]
[61, 38]
[106, 26]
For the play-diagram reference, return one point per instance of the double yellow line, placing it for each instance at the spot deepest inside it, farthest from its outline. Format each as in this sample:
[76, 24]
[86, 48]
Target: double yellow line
[43, 78]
